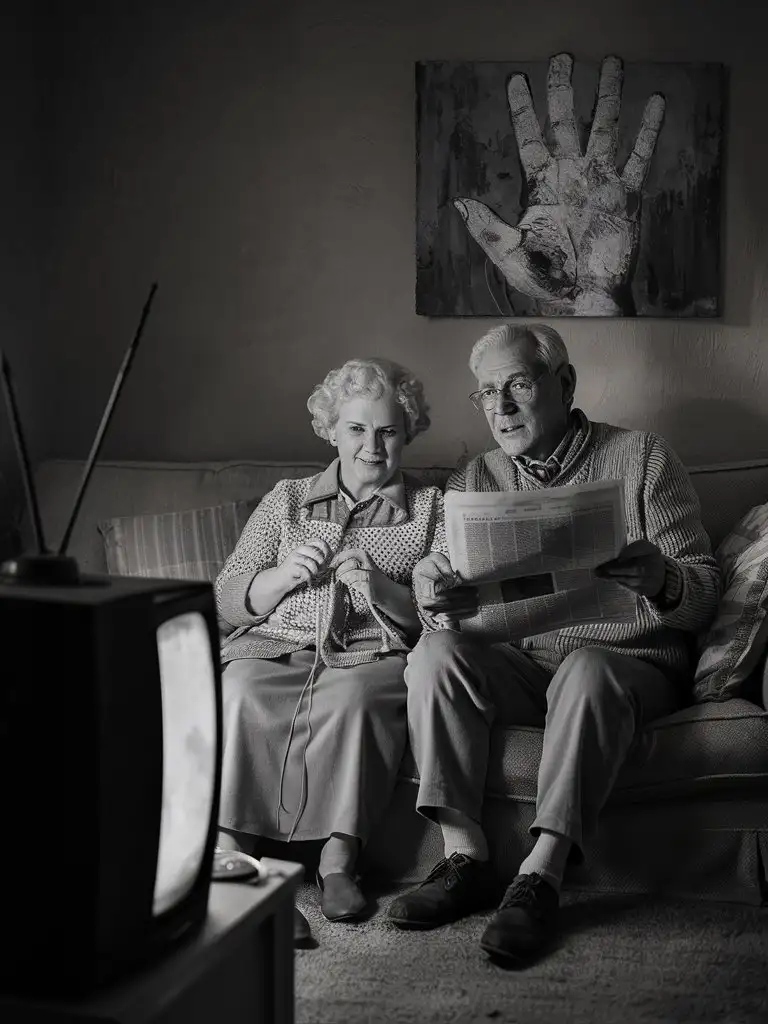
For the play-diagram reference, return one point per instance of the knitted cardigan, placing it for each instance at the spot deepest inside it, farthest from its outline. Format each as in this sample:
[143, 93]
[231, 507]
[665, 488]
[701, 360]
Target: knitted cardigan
[395, 536]
[661, 506]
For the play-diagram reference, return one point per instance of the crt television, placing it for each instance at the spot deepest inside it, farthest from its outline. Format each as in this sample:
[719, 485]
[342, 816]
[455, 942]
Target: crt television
[110, 754]
[110, 761]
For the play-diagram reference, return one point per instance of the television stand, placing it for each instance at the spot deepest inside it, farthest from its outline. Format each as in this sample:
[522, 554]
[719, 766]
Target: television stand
[238, 968]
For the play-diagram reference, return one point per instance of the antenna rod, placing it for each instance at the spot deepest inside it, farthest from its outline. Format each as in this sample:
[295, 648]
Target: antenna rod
[23, 456]
[106, 417]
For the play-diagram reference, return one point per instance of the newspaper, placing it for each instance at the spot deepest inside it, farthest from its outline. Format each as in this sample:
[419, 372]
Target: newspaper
[533, 554]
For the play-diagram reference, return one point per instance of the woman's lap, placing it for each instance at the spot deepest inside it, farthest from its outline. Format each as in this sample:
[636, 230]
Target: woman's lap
[341, 763]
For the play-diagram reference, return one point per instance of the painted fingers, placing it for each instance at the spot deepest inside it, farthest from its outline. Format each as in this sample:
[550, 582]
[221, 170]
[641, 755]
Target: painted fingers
[636, 167]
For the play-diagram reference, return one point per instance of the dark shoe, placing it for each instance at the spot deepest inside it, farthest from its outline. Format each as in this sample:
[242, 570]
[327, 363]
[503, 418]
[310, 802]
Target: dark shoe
[302, 933]
[454, 888]
[341, 897]
[525, 922]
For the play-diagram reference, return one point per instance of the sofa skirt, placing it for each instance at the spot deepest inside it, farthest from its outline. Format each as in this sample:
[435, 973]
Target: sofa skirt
[688, 816]
[640, 848]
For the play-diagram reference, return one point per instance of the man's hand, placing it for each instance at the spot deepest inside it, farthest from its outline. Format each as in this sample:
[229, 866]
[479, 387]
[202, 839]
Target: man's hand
[439, 590]
[639, 566]
[573, 249]
[304, 563]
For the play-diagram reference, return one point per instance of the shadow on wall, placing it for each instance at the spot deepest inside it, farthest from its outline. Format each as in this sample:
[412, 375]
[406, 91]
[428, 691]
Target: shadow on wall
[705, 431]
[745, 203]
[11, 510]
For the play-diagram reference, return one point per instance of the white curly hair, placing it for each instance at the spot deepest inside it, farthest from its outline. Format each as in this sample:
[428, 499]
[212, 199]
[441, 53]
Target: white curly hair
[369, 378]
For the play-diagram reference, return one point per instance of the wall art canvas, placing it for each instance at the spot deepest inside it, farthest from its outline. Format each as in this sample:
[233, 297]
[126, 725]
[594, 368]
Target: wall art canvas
[568, 188]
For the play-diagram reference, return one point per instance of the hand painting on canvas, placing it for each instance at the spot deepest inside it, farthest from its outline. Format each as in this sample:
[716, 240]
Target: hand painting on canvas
[575, 245]
[591, 211]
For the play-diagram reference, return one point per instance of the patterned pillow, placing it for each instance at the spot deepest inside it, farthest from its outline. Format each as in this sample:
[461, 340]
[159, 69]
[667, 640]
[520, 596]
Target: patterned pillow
[189, 545]
[731, 649]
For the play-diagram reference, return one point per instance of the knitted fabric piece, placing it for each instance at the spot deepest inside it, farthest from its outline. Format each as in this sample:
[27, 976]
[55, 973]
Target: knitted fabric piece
[283, 522]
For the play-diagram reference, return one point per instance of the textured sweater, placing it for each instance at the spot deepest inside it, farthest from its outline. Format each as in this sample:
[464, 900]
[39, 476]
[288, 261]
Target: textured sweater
[661, 506]
[397, 526]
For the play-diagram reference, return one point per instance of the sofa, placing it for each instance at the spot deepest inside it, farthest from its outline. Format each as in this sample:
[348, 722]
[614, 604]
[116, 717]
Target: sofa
[689, 813]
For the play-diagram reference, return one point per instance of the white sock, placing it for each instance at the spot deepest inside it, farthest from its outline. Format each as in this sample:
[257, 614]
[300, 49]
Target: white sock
[339, 854]
[461, 834]
[548, 858]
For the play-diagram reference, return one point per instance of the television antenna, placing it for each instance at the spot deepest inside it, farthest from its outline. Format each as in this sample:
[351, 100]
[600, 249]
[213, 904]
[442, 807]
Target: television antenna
[44, 566]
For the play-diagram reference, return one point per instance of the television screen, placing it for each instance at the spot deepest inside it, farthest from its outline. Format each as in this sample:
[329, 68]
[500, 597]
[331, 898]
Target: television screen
[110, 761]
[189, 754]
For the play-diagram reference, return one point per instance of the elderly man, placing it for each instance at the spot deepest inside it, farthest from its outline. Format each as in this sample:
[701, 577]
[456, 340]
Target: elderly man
[592, 687]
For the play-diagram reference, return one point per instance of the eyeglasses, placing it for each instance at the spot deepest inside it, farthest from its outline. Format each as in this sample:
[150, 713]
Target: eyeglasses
[520, 391]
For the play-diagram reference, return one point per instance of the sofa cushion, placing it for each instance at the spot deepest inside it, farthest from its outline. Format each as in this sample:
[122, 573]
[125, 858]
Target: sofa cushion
[727, 491]
[683, 754]
[191, 545]
[732, 648]
[136, 488]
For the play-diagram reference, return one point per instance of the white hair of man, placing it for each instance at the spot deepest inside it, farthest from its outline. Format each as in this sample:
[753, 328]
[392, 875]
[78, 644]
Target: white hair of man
[550, 347]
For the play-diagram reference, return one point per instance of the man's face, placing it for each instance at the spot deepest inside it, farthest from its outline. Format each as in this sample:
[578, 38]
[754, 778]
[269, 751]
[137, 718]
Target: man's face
[533, 428]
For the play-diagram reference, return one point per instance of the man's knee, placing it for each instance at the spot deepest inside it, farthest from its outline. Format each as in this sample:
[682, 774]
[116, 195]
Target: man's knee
[429, 663]
[589, 675]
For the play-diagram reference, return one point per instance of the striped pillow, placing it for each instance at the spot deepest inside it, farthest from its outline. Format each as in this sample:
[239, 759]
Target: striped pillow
[732, 647]
[189, 545]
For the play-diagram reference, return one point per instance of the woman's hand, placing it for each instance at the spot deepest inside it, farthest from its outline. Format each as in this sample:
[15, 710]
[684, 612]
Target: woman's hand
[305, 562]
[356, 569]
[270, 586]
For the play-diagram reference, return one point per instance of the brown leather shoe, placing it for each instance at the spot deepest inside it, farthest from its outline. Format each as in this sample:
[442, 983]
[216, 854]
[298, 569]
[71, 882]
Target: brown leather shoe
[341, 897]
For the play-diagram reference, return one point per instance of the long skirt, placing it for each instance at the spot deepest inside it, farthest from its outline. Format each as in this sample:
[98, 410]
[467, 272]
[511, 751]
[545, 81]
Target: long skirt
[306, 766]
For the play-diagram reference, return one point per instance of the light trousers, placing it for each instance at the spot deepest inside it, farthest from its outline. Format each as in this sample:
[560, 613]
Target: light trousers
[591, 709]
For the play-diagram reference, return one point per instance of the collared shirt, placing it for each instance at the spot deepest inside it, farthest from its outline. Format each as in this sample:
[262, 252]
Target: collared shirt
[329, 503]
[545, 470]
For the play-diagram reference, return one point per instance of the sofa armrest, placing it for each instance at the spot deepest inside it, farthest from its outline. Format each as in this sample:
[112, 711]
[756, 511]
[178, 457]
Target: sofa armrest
[755, 686]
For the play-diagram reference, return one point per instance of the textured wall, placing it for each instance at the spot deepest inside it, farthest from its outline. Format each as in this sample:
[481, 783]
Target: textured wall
[259, 162]
[22, 186]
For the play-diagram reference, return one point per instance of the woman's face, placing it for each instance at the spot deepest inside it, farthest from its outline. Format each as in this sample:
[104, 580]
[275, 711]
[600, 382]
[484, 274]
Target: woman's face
[369, 435]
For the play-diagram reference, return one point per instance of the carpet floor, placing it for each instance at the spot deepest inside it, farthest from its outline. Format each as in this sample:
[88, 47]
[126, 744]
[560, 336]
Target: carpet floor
[618, 960]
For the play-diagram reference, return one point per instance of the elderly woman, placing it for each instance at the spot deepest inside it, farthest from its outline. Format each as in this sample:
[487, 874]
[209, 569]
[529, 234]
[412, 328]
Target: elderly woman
[318, 593]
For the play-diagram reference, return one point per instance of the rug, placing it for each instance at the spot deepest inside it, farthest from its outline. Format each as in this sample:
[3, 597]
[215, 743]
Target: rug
[619, 960]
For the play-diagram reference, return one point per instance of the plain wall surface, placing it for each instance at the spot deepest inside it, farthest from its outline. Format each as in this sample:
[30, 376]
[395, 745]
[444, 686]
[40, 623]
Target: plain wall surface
[24, 186]
[258, 160]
